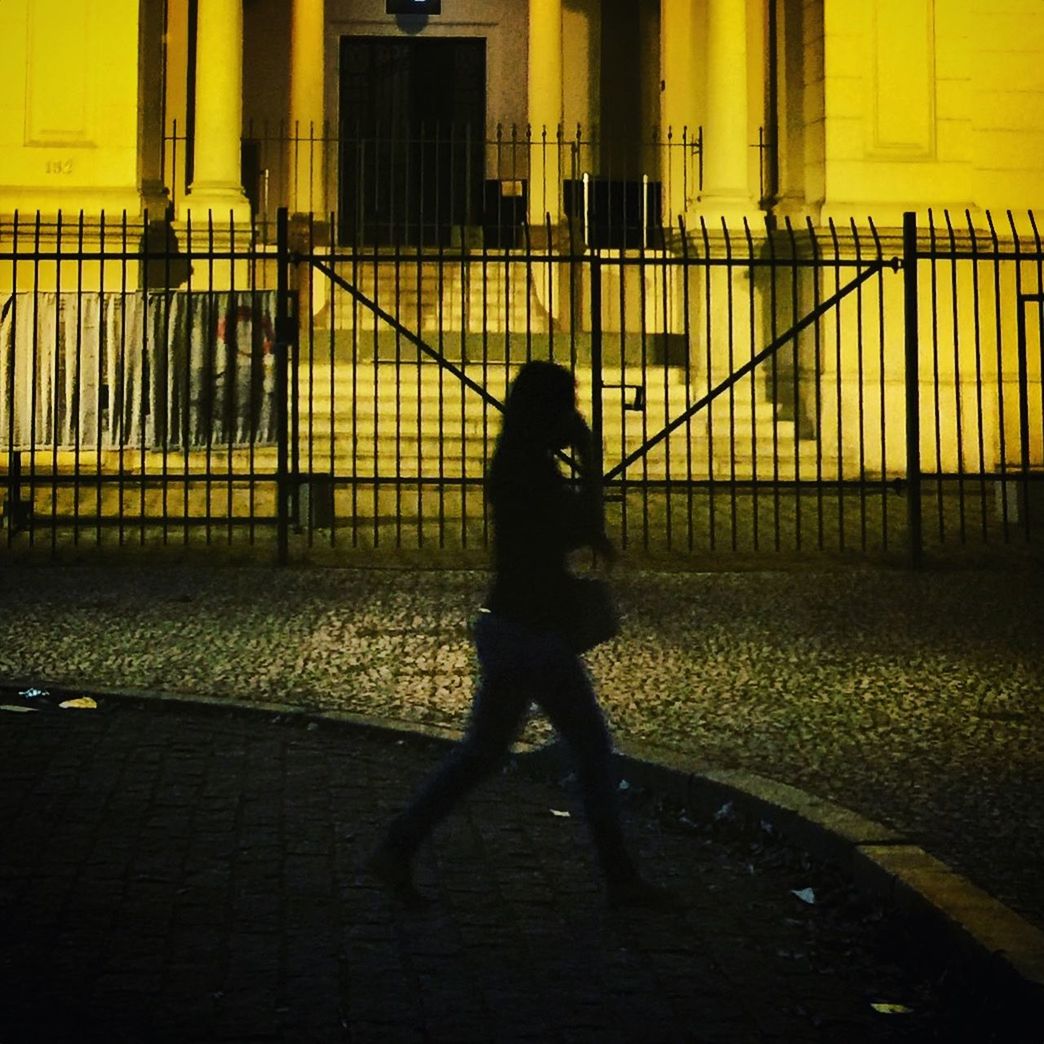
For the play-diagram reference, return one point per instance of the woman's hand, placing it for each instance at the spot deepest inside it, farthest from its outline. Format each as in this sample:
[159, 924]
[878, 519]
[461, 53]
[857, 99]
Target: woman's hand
[580, 437]
[582, 441]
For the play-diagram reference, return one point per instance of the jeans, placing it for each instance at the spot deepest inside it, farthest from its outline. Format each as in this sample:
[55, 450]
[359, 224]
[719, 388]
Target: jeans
[516, 667]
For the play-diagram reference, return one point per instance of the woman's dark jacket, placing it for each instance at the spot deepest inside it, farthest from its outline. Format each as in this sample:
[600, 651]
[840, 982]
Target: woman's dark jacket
[537, 520]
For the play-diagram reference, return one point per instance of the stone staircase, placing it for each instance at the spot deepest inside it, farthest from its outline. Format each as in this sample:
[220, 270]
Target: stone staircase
[491, 295]
[390, 443]
[419, 421]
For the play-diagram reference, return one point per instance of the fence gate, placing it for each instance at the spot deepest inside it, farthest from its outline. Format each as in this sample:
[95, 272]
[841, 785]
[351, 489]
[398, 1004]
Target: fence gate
[711, 369]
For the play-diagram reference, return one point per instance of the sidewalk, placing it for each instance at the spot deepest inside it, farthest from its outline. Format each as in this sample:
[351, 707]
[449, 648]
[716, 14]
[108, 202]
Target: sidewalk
[916, 700]
[188, 874]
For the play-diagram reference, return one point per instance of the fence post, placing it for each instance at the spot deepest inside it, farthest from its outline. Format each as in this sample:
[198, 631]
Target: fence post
[284, 334]
[913, 390]
[596, 368]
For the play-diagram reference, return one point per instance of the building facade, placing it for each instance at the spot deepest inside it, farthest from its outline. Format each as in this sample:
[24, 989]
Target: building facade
[819, 107]
[697, 204]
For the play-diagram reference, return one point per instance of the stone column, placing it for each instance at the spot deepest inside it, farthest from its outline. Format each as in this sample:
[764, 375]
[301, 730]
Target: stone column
[679, 123]
[545, 109]
[726, 134]
[307, 151]
[150, 108]
[216, 187]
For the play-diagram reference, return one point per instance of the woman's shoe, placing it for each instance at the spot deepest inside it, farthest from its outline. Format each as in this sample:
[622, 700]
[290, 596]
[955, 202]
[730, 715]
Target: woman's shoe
[394, 870]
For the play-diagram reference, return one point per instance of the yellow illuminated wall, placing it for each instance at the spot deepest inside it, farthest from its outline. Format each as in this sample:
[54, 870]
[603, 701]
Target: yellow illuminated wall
[884, 105]
[69, 106]
[932, 104]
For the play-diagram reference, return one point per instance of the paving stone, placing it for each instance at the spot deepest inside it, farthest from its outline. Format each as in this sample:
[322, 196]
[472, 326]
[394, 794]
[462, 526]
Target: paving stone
[267, 942]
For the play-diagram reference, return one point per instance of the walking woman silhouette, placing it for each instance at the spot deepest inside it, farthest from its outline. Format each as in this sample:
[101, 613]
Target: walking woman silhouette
[523, 657]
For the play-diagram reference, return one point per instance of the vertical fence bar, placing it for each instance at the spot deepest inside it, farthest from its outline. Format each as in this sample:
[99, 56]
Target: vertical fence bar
[663, 270]
[356, 270]
[597, 419]
[730, 333]
[469, 214]
[817, 347]
[12, 507]
[977, 333]
[256, 387]
[958, 417]
[754, 376]
[913, 397]
[375, 265]
[230, 390]
[936, 382]
[399, 235]
[284, 334]
[687, 332]
[328, 293]
[796, 389]
[860, 391]
[839, 403]
[774, 396]
[123, 398]
[708, 318]
[146, 374]
[101, 390]
[1023, 378]
[485, 326]
[294, 306]
[1024, 407]
[56, 389]
[642, 270]
[186, 390]
[882, 403]
[34, 381]
[210, 347]
[1039, 304]
[999, 335]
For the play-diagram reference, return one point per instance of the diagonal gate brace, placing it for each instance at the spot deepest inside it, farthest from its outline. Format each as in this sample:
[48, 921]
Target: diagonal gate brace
[746, 368]
[418, 342]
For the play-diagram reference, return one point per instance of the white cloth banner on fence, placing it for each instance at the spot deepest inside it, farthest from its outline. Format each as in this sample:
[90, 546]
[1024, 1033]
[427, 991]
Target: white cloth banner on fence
[172, 369]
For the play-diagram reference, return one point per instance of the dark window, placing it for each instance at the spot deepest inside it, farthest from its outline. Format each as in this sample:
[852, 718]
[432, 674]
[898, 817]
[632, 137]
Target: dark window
[413, 122]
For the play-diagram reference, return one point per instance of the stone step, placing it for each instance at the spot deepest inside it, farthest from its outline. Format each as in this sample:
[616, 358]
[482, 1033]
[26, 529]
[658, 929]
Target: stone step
[476, 295]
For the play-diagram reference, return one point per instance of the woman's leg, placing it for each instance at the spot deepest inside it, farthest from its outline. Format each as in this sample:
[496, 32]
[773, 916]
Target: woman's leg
[497, 714]
[568, 698]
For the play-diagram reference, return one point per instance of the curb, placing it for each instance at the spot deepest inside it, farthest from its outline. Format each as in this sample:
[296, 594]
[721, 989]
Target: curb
[976, 927]
[391, 727]
[878, 858]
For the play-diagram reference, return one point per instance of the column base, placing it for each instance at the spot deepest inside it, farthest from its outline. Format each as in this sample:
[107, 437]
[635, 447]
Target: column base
[205, 205]
[733, 210]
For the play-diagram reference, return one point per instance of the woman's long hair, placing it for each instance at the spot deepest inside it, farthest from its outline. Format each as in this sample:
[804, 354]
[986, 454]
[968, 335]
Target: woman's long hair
[540, 400]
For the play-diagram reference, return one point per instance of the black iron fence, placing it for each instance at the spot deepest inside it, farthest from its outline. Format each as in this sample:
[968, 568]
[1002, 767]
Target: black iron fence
[441, 184]
[780, 389]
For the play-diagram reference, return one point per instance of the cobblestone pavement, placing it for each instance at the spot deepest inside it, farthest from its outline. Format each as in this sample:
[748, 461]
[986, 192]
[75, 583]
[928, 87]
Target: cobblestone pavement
[915, 699]
[189, 875]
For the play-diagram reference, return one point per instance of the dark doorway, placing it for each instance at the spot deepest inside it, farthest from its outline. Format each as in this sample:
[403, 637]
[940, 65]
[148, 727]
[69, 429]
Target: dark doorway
[413, 121]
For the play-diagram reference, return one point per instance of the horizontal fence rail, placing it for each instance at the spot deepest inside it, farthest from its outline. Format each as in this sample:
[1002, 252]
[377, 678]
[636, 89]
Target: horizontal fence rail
[317, 389]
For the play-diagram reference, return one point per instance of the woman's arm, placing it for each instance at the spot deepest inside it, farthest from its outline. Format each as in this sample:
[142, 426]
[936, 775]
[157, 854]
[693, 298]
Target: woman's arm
[590, 508]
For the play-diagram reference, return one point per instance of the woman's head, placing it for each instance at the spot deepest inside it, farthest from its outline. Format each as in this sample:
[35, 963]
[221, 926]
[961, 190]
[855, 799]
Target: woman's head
[541, 405]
